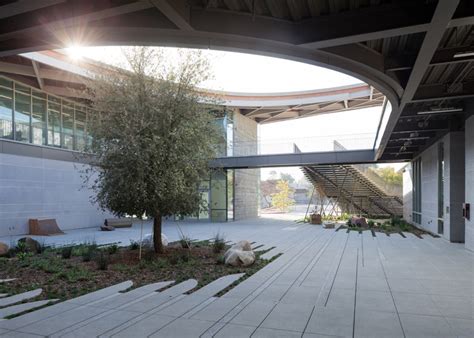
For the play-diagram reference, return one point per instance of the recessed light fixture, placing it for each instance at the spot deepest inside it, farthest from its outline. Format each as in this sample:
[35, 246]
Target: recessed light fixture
[463, 54]
[440, 111]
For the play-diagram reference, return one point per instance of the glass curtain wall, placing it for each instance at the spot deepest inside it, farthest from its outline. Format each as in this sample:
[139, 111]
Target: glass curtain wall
[32, 116]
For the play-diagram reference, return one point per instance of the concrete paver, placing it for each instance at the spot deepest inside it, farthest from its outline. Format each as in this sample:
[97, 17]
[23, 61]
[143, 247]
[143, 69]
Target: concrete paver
[326, 284]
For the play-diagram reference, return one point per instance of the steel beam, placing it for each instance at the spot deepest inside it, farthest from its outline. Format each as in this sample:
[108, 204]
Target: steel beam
[294, 159]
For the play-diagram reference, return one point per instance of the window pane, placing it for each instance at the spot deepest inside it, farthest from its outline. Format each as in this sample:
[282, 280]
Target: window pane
[80, 127]
[54, 123]
[38, 121]
[68, 125]
[6, 112]
[22, 116]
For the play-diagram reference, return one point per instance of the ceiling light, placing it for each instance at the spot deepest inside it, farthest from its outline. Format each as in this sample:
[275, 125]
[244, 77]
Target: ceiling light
[440, 111]
[463, 54]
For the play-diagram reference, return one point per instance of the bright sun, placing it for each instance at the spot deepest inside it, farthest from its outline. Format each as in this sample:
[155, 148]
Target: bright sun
[75, 52]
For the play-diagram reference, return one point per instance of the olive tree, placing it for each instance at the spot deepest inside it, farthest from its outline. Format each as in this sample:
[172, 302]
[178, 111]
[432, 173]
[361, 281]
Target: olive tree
[153, 136]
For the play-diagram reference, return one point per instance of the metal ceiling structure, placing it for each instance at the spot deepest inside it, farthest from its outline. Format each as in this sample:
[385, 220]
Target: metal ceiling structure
[418, 53]
[352, 191]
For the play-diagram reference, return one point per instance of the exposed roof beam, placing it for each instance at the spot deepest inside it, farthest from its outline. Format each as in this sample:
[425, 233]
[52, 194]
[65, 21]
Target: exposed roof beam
[66, 92]
[23, 6]
[443, 13]
[36, 69]
[81, 19]
[441, 18]
[440, 92]
[176, 11]
[441, 57]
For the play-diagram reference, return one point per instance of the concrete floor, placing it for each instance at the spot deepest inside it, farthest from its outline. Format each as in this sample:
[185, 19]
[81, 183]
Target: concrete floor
[326, 283]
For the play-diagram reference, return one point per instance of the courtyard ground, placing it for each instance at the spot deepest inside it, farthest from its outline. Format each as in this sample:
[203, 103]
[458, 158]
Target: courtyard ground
[326, 283]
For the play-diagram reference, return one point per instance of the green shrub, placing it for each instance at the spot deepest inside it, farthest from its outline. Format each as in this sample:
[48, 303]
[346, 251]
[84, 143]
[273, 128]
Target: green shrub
[112, 249]
[220, 260]
[371, 223]
[22, 256]
[21, 247]
[134, 245]
[173, 259]
[218, 245]
[102, 260]
[66, 252]
[88, 253]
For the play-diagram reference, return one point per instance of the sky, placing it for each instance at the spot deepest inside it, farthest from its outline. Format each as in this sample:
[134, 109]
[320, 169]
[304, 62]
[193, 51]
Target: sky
[238, 72]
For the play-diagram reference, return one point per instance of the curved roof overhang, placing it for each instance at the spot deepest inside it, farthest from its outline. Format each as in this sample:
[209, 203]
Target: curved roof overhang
[407, 50]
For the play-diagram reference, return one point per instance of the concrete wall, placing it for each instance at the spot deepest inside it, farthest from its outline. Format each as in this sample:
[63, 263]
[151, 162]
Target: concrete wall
[454, 188]
[246, 181]
[38, 187]
[454, 184]
[469, 176]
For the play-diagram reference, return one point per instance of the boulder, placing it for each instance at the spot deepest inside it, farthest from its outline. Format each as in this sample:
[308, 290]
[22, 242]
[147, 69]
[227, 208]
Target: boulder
[147, 241]
[3, 249]
[107, 228]
[236, 257]
[31, 245]
[242, 245]
[359, 221]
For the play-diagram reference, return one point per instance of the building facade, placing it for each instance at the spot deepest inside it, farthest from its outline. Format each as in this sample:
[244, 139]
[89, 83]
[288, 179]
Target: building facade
[437, 187]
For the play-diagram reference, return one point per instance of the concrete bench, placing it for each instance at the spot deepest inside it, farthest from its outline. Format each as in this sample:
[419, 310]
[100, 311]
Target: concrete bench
[118, 222]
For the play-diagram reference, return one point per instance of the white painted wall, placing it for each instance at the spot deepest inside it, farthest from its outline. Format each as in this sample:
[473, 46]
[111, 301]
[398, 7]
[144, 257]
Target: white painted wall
[408, 193]
[34, 187]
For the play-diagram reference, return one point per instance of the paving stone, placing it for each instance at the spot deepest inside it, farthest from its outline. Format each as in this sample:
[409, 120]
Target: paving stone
[15, 334]
[143, 328]
[306, 295]
[339, 298]
[377, 324]
[62, 321]
[292, 317]
[415, 304]
[235, 331]
[254, 313]
[38, 315]
[270, 333]
[218, 285]
[15, 309]
[19, 297]
[99, 295]
[217, 309]
[461, 327]
[372, 284]
[456, 307]
[100, 325]
[374, 300]
[425, 326]
[331, 321]
[409, 285]
[183, 328]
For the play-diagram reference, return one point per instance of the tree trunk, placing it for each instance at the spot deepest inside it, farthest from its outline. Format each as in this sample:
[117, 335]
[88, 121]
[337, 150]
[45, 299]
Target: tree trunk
[157, 234]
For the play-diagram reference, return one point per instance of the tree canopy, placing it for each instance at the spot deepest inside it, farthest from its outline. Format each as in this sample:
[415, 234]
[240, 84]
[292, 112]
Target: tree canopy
[153, 137]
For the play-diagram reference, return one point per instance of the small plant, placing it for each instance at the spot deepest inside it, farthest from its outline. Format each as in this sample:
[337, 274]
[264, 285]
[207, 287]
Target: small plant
[21, 247]
[185, 242]
[184, 257]
[134, 245]
[173, 259]
[102, 260]
[88, 253]
[349, 223]
[220, 260]
[371, 223]
[66, 252]
[112, 249]
[22, 256]
[218, 245]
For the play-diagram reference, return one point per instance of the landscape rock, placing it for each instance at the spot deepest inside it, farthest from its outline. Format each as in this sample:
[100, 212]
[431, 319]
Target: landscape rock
[359, 221]
[107, 228]
[236, 257]
[31, 244]
[242, 245]
[3, 249]
[147, 241]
